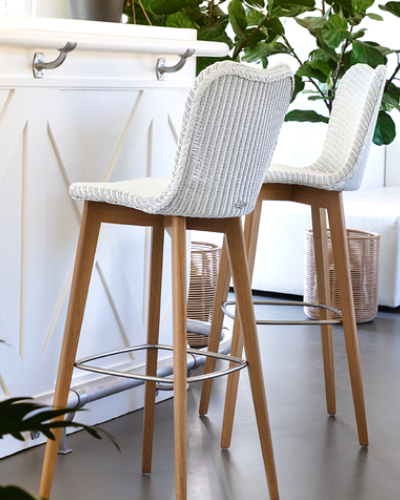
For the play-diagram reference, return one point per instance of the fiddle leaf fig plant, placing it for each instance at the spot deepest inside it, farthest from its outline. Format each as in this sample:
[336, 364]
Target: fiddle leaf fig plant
[255, 31]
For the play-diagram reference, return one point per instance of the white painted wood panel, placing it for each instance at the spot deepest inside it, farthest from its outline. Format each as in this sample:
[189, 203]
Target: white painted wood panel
[78, 123]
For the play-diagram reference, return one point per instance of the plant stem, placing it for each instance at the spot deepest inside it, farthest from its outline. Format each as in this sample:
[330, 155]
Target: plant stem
[247, 40]
[331, 92]
[134, 12]
[323, 7]
[210, 15]
[144, 12]
[393, 75]
[301, 64]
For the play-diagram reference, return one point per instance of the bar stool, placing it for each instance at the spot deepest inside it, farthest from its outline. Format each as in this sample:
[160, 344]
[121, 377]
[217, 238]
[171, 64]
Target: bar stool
[231, 124]
[339, 168]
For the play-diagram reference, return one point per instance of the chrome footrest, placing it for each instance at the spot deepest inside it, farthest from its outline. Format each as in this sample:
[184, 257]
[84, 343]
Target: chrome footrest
[81, 364]
[287, 322]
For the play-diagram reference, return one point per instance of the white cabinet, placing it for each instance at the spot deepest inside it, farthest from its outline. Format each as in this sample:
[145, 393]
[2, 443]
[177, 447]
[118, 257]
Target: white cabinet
[101, 116]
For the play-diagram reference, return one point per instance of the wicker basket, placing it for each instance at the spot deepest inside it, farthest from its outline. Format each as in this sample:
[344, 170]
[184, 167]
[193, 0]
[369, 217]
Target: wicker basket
[364, 265]
[204, 266]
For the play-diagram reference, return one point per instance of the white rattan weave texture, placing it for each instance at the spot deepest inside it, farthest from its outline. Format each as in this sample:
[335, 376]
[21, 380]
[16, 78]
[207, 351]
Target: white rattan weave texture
[230, 128]
[342, 162]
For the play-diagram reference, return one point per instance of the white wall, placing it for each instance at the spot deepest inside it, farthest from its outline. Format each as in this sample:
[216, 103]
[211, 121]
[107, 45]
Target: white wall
[53, 8]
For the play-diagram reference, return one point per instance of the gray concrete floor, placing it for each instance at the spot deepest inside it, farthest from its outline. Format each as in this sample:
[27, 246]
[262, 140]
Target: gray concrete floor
[318, 457]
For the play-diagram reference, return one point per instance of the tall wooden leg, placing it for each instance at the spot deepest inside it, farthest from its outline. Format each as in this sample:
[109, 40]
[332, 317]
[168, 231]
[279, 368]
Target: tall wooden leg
[322, 269]
[342, 267]
[221, 295]
[251, 230]
[153, 325]
[180, 363]
[245, 310]
[80, 285]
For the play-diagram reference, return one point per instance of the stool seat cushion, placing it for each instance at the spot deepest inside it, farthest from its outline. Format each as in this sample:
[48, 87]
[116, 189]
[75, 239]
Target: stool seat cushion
[146, 194]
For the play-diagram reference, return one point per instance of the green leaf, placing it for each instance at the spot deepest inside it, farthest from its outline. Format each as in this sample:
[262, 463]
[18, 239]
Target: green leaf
[301, 115]
[19, 415]
[347, 5]
[204, 62]
[180, 20]
[375, 17]
[287, 11]
[385, 130]
[237, 17]
[256, 53]
[298, 86]
[367, 54]
[392, 7]
[358, 34]
[275, 25]
[15, 493]
[255, 3]
[335, 31]
[171, 6]
[254, 17]
[309, 4]
[361, 5]
[383, 50]
[315, 69]
[319, 55]
[216, 32]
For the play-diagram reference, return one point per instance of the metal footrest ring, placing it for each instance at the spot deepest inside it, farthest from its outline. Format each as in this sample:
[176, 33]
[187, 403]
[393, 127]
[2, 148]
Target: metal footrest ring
[81, 364]
[287, 322]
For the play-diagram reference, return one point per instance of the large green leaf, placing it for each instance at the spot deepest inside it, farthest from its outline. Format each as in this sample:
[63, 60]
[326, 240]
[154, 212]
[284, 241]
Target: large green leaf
[315, 69]
[392, 7]
[301, 115]
[275, 25]
[171, 6]
[216, 32]
[335, 31]
[361, 5]
[367, 54]
[385, 130]
[15, 493]
[180, 20]
[254, 17]
[237, 17]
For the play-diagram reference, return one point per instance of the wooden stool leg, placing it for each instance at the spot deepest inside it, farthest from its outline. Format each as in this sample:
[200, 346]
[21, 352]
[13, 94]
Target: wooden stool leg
[251, 230]
[322, 269]
[153, 325]
[221, 295]
[245, 309]
[80, 285]
[342, 267]
[180, 363]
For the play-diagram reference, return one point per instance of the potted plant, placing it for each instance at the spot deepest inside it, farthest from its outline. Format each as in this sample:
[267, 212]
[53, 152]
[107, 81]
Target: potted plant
[256, 31]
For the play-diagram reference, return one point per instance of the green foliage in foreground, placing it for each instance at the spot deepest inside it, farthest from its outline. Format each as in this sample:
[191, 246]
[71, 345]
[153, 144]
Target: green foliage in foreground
[18, 415]
[259, 34]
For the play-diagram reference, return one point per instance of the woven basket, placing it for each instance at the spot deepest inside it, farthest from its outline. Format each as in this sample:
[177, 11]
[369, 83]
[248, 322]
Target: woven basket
[204, 266]
[364, 265]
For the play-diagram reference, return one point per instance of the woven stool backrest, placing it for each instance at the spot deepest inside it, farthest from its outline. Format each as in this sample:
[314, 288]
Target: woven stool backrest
[351, 127]
[230, 128]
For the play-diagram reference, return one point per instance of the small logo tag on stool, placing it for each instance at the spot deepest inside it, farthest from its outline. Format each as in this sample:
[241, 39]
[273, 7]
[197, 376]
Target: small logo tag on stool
[241, 204]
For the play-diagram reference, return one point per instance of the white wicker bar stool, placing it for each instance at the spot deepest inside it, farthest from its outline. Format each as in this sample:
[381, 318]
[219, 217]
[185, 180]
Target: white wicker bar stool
[340, 167]
[231, 124]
